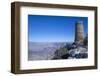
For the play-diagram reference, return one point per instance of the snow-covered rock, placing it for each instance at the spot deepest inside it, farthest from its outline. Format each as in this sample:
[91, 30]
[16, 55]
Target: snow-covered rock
[79, 52]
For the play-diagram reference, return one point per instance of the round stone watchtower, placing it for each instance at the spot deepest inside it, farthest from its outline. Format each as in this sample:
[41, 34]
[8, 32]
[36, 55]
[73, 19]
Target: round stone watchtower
[79, 32]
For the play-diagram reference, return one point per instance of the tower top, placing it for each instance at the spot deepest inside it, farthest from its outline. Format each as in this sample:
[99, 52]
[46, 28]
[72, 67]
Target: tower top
[79, 22]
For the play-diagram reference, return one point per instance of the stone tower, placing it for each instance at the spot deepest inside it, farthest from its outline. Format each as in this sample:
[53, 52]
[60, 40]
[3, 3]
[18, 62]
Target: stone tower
[79, 32]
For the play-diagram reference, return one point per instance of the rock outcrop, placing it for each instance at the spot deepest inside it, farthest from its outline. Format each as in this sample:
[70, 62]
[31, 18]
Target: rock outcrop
[60, 52]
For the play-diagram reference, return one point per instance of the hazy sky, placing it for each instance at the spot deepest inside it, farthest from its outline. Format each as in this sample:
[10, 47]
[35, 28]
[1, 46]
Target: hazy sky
[43, 28]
